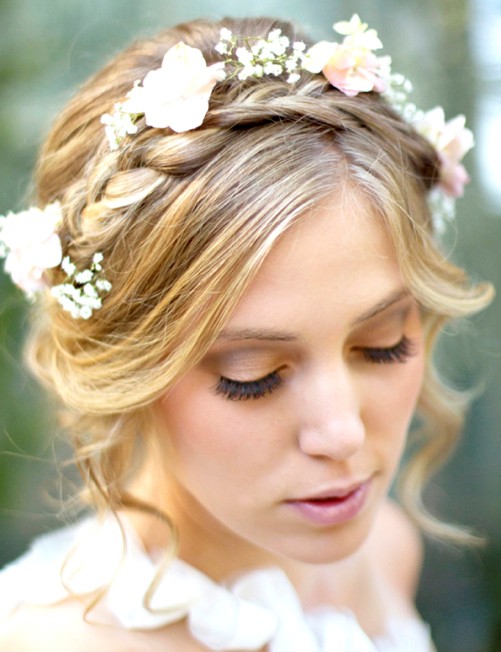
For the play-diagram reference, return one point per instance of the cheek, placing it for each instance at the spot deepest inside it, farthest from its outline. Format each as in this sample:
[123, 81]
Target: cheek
[412, 382]
[397, 394]
[205, 434]
[191, 425]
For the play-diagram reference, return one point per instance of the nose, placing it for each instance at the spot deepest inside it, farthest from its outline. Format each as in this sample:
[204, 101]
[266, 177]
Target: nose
[331, 423]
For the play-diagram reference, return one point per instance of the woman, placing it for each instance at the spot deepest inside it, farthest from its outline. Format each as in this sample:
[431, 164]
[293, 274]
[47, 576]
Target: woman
[240, 288]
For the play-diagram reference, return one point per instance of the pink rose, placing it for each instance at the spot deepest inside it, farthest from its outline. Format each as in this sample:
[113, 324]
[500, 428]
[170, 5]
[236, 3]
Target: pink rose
[354, 72]
[351, 66]
[452, 141]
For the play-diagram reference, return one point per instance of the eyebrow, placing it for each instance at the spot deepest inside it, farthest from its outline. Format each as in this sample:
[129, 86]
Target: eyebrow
[242, 334]
[382, 305]
[256, 334]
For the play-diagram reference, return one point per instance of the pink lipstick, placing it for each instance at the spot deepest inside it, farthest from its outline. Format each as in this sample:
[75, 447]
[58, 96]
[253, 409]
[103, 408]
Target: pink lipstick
[334, 509]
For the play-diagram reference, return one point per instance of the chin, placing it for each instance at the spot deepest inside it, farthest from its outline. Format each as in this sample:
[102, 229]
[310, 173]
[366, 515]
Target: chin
[326, 546]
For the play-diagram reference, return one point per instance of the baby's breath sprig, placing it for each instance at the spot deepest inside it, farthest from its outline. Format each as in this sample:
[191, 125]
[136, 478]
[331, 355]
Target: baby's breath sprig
[397, 94]
[82, 291]
[118, 125]
[254, 57]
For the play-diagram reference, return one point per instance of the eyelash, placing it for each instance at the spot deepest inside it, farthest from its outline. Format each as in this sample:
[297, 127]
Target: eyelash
[400, 352]
[236, 390]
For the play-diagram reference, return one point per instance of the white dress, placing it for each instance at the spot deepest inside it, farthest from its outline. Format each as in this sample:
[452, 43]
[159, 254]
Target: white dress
[260, 608]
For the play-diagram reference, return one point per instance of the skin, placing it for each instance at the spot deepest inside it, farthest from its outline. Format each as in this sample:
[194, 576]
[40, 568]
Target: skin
[329, 294]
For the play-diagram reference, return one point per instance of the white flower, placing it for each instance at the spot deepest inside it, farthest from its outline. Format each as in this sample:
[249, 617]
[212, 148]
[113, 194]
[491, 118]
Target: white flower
[68, 267]
[244, 56]
[85, 312]
[263, 50]
[221, 48]
[318, 56]
[118, 125]
[272, 69]
[225, 34]
[65, 302]
[357, 35]
[293, 78]
[82, 291]
[30, 245]
[103, 285]
[442, 208]
[278, 44]
[90, 290]
[275, 34]
[396, 94]
[177, 94]
[84, 277]
[97, 259]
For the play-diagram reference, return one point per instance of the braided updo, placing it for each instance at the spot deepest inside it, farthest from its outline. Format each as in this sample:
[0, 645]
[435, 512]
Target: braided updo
[185, 220]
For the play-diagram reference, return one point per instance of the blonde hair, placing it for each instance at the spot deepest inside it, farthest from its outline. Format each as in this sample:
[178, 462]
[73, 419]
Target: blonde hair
[185, 220]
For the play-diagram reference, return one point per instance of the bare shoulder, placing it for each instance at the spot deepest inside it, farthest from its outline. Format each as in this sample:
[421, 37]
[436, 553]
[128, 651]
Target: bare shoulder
[61, 628]
[55, 628]
[396, 547]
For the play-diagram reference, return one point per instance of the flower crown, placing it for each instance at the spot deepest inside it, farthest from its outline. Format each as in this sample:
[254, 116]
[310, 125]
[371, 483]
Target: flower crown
[177, 95]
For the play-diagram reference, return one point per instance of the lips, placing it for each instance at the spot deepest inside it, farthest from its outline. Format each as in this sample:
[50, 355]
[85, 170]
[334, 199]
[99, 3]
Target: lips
[339, 492]
[332, 506]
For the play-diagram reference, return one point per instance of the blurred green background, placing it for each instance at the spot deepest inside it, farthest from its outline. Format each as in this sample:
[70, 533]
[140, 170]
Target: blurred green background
[451, 49]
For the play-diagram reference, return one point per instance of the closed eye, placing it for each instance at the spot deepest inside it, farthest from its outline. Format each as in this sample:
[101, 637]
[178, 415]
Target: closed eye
[238, 390]
[400, 352]
[244, 390]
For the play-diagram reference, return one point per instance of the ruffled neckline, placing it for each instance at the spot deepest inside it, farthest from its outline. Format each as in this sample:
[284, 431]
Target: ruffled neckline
[259, 608]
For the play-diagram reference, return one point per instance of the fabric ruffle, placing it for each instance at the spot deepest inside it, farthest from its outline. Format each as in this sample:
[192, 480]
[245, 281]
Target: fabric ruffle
[260, 608]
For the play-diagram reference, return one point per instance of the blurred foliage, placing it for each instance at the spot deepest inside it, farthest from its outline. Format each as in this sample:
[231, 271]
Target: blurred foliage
[451, 50]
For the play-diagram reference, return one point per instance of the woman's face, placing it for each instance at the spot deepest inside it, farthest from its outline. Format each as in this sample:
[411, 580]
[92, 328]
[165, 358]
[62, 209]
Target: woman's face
[284, 439]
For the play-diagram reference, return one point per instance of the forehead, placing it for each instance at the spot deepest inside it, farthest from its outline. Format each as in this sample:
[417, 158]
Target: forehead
[335, 261]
